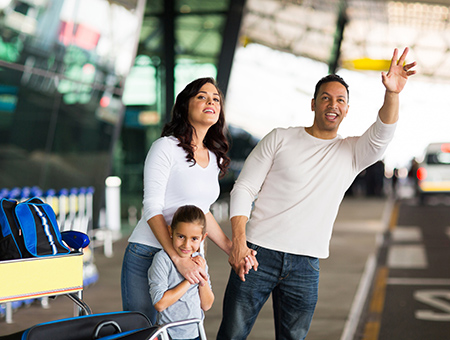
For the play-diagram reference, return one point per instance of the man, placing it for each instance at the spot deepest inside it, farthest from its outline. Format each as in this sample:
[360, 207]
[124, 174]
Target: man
[296, 178]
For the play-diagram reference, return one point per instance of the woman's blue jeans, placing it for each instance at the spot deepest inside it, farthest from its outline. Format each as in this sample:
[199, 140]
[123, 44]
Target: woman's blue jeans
[135, 288]
[293, 281]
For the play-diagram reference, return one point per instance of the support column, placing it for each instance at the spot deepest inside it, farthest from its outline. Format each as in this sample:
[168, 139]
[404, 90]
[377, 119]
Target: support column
[229, 42]
[169, 58]
[338, 37]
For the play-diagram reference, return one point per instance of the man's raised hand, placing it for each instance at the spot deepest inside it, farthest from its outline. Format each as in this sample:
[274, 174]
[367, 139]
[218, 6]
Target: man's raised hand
[395, 79]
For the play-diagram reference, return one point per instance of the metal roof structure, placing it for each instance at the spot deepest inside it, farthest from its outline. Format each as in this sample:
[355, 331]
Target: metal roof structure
[197, 31]
[354, 34]
[198, 27]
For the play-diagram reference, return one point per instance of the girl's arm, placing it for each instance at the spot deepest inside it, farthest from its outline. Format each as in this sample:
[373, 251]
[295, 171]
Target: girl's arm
[172, 295]
[206, 296]
[204, 290]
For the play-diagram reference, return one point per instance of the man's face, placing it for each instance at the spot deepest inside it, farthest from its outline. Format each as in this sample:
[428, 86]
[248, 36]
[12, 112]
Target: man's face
[330, 107]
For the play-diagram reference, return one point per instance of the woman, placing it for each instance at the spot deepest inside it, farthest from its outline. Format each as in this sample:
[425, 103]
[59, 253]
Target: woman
[181, 168]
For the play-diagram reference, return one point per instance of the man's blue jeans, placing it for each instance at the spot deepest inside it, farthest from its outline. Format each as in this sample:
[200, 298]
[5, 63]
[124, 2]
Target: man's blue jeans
[293, 281]
[135, 288]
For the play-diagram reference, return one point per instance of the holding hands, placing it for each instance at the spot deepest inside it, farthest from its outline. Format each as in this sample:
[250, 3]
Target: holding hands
[242, 259]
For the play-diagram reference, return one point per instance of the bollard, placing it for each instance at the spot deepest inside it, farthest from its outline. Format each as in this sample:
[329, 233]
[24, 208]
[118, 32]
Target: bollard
[113, 219]
[73, 209]
[63, 208]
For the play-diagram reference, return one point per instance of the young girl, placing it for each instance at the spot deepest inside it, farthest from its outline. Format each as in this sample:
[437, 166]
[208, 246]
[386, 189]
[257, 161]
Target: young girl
[172, 295]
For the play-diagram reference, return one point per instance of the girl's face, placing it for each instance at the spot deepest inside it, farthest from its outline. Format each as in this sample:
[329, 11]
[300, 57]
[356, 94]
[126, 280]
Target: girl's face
[204, 107]
[186, 238]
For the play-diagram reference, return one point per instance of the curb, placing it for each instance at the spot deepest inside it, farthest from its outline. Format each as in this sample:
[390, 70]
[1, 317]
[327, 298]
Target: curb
[366, 279]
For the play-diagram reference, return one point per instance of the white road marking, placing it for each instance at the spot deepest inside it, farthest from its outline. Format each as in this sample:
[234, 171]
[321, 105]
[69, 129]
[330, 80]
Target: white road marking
[409, 281]
[407, 234]
[407, 256]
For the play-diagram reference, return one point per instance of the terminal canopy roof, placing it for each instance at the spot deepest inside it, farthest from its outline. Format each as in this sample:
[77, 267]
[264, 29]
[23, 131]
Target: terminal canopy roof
[354, 34]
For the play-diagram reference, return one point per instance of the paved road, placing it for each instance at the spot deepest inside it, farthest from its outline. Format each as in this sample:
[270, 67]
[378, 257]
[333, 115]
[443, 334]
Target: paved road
[411, 292]
[354, 241]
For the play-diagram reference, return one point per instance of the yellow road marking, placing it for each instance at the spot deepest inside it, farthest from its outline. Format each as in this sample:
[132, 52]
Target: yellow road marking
[372, 327]
[373, 324]
[394, 217]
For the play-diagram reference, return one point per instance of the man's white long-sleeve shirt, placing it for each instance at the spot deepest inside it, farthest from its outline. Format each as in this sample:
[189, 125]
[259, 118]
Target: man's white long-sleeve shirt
[297, 182]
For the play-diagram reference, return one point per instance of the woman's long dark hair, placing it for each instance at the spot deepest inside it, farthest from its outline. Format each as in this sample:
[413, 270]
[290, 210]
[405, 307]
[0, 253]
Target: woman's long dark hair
[181, 128]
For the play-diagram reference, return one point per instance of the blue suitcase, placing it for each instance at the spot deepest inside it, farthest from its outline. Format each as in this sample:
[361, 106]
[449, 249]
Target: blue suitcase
[86, 327]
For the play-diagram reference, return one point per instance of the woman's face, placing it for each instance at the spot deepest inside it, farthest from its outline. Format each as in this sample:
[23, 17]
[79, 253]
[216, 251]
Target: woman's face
[204, 107]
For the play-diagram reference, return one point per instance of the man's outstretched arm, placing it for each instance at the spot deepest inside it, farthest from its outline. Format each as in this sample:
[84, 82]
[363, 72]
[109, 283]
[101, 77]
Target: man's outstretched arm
[394, 82]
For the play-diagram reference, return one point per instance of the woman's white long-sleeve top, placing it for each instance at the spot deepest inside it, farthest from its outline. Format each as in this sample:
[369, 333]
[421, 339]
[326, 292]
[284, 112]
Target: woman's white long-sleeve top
[170, 182]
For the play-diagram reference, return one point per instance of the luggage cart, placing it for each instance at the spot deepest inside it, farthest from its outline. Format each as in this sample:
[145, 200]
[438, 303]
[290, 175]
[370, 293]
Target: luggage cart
[158, 332]
[85, 327]
[41, 277]
[76, 216]
[106, 326]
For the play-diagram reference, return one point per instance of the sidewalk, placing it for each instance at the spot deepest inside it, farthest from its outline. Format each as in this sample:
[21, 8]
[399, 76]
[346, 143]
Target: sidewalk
[354, 240]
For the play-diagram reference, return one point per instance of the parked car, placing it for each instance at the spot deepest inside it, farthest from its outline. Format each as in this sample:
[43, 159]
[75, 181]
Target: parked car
[433, 173]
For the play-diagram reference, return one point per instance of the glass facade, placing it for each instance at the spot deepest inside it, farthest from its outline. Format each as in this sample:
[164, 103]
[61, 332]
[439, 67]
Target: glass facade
[63, 66]
[198, 30]
[86, 85]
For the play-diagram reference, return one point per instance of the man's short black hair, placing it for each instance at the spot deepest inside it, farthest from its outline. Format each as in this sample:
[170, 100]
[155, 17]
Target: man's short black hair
[328, 79]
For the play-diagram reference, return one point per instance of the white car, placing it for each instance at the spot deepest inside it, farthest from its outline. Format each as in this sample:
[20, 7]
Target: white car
[433, 174]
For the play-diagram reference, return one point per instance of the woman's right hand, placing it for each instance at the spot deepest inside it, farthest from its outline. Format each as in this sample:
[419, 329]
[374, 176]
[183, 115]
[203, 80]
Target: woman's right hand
[200, 261]
[190, 270]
